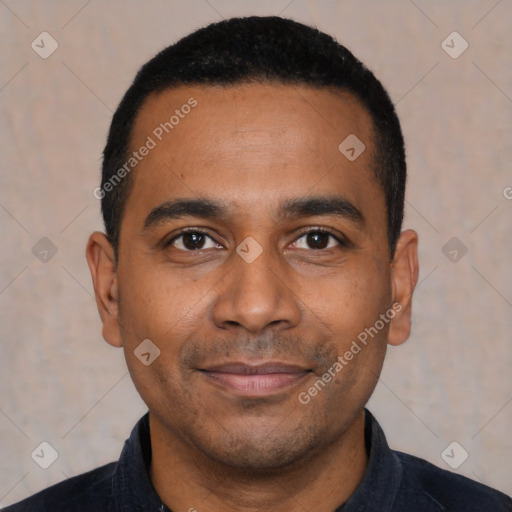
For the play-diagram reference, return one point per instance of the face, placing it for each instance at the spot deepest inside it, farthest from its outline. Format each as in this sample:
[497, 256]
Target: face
[253, 253]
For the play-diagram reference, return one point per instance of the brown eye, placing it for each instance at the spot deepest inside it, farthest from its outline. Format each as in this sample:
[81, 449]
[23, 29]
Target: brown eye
[192, 241]
[317, 240]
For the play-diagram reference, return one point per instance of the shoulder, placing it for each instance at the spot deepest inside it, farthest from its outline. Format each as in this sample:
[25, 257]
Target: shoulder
[450, 491]
[88, 492]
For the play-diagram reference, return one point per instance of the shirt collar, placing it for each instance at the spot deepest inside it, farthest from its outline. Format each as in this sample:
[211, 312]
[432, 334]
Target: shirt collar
[383, 476]
[133, 491]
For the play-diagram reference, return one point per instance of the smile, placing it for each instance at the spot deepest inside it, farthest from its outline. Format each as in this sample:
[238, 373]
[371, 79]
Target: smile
[256, 380]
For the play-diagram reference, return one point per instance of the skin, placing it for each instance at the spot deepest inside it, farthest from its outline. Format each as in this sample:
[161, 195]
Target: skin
[252, 147]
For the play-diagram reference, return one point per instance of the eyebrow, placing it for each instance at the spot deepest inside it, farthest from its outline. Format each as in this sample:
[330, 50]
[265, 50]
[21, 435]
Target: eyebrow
[335, 206]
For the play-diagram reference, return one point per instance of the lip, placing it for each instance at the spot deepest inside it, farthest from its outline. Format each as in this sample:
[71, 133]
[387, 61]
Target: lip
[256, 380]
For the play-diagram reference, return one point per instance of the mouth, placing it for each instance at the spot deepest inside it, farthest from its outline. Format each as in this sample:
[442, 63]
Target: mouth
[255, 380]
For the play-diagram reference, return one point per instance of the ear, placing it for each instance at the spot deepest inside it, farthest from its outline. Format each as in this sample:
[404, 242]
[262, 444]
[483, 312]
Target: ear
[404, 276]
[100, 258]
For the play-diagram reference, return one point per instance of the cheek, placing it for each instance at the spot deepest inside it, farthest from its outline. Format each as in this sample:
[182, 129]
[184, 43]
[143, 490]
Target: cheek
[157, 303]
[349, 299]
[349, 309]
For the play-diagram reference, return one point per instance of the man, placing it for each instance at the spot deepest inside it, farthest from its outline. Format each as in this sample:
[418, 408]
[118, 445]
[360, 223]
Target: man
[254, 271]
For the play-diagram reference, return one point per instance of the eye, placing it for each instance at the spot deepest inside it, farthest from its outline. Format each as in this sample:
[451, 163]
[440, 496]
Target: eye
[196, 240]
[192, 240]
[318, 239]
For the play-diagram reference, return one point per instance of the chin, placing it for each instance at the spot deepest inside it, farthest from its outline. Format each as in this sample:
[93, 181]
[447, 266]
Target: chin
[261, 452]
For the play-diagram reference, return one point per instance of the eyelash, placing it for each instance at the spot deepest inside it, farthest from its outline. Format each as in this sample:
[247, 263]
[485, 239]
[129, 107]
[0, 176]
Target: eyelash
[341, 242]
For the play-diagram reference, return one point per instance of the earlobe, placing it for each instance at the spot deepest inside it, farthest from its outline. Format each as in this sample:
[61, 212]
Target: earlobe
[404, 276]
[100, 258]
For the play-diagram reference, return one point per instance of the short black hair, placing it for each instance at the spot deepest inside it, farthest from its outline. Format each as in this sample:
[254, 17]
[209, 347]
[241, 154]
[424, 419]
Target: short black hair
[260, 50]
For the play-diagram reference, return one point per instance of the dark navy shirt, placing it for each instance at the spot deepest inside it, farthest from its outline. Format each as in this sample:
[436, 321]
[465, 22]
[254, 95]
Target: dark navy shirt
[393, 482]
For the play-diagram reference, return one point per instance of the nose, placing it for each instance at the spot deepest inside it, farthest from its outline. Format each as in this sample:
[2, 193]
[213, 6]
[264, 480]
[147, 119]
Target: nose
[256, 295]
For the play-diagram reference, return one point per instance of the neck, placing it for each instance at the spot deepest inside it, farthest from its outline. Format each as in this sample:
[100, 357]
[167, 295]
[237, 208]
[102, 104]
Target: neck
[186, 479]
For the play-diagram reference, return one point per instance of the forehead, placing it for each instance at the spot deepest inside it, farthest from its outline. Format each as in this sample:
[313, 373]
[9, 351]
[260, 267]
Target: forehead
[256, 113]
[241, 142]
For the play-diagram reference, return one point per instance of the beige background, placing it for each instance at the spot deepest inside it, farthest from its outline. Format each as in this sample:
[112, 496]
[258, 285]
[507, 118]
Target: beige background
[61, 383]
